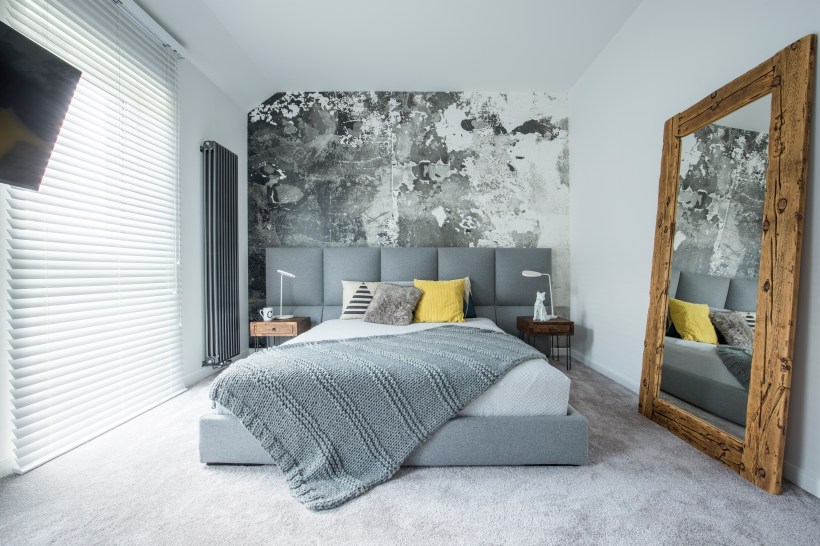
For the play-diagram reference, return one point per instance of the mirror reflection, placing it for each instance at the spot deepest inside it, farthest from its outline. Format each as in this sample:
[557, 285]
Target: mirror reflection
[715, 265]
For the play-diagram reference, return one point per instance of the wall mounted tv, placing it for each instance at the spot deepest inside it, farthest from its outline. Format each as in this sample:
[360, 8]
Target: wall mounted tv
[36, 88]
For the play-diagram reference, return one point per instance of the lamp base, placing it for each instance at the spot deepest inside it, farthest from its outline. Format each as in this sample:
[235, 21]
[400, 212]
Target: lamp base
[549, 318]
[282, 317]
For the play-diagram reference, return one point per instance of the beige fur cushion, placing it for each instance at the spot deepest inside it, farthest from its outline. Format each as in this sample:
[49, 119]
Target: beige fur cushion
[393, 305]
[733, 327]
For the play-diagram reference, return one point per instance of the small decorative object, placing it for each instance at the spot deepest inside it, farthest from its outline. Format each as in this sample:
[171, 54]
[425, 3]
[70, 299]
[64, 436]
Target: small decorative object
[539, 312]
[540, 297]
[282, 275]
[266, 313]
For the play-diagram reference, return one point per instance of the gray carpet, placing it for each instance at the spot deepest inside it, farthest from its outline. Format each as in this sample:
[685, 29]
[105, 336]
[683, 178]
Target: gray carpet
[142, 484]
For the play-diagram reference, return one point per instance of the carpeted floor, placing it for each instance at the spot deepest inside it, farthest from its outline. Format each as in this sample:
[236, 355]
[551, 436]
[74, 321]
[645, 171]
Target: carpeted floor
[142, 484]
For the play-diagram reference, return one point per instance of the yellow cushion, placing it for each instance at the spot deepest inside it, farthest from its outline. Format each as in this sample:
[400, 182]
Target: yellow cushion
[441, 301]
[692, 322]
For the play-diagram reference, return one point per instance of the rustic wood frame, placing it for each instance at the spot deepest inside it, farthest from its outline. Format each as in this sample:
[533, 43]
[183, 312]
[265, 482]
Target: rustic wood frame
[789, 77]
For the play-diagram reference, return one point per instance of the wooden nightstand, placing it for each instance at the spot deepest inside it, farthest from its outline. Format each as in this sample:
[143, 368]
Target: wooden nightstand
[291, 327]
[527, 328]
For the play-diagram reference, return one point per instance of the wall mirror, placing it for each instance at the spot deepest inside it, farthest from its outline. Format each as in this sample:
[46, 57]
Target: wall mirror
[723, 297]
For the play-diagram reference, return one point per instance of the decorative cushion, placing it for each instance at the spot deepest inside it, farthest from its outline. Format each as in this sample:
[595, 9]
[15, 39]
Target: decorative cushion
[469, 305]
[670, 327]
[750, 319]
[393, 305]
[733, 327]
[692, 322]
[356, 296]
[441, 301]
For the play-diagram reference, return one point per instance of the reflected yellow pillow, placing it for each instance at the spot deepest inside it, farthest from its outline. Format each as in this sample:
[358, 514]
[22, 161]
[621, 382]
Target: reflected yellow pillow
[692, 322]
[441, 301]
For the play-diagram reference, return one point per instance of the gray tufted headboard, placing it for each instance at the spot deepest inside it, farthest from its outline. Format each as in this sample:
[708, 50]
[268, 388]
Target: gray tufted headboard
[718, 292]
[500, 292]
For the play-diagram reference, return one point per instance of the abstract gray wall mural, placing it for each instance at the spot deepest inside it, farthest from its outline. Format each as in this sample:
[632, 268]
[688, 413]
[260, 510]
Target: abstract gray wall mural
[410, 170]
[720, 202]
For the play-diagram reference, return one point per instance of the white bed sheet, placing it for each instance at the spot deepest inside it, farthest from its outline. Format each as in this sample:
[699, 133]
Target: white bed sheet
[531, 388]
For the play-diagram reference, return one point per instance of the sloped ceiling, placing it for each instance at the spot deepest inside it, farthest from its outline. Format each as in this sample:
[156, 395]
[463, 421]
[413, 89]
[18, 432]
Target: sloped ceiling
[254, 48]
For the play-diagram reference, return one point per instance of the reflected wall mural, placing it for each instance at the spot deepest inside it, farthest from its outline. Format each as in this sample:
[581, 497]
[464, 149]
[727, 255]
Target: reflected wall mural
[720, 202]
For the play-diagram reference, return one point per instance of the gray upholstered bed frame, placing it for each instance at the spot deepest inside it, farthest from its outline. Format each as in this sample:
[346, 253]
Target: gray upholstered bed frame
[709, 387]
[500, 293]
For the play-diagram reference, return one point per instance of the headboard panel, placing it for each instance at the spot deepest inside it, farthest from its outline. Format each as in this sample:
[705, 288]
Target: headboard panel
[476, 263]
[500, 292]
[348, 264]
[719, 292]
[406, 264]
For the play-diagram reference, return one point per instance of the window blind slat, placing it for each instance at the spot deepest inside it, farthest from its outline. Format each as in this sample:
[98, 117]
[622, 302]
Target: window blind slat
[28, 380]
[67, 390]
[61, 438]
[103, 352]
[61, 400]
[91, 265]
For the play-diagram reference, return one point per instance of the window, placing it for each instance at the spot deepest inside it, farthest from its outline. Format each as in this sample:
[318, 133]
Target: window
[92, 261]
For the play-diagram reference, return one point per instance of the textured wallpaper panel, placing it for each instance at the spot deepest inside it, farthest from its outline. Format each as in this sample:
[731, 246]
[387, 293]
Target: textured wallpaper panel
[410, 170]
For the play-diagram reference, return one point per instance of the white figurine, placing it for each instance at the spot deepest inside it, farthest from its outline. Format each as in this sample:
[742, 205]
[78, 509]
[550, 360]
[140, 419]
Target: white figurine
[539, 312]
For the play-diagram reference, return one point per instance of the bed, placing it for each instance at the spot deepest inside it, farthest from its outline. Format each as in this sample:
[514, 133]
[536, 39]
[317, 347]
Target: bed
[523, 419]
[692, 371]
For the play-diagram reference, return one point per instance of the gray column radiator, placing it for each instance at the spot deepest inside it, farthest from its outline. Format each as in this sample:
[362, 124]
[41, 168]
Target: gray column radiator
[220, 198]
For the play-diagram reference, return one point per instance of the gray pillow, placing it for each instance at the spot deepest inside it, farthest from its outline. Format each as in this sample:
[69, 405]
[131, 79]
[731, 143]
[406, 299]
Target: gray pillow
[393, 305]
[734, 328]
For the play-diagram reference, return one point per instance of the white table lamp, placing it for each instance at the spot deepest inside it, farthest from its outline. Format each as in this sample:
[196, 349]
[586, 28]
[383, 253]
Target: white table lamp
[282, 275]
[529, 273]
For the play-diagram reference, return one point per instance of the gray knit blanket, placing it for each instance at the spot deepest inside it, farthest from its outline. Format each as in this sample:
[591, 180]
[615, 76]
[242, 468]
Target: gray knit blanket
[340, 416]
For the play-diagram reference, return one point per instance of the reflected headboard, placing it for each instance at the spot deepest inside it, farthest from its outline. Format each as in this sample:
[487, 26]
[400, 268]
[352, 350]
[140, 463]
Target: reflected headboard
[718, 292]
[500, 292]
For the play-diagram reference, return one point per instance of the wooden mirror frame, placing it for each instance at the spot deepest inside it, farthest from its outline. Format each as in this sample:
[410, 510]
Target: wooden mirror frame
[789, 77]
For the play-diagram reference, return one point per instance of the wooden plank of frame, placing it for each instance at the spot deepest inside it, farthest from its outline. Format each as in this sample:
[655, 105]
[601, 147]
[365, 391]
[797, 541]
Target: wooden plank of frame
[785, 205]
[789, 77]
[749, 87]
[661, 267]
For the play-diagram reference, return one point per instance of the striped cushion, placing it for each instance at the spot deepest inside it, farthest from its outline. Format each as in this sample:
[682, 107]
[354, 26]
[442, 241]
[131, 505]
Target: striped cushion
[356, 296]
[750, 319]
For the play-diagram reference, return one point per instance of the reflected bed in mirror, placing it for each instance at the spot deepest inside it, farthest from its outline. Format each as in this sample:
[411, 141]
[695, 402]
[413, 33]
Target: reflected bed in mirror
[715, 262]
[720, 328]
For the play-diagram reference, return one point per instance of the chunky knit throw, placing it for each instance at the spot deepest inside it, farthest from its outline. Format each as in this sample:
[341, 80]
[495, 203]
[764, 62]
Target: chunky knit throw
[340, 416]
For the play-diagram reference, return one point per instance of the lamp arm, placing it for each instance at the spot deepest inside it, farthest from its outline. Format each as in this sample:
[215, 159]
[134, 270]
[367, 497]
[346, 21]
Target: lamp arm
[552, 307]
[282, 280]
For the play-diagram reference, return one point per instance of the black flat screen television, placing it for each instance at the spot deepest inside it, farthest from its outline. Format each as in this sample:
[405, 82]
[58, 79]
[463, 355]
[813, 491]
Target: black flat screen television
[36, 88]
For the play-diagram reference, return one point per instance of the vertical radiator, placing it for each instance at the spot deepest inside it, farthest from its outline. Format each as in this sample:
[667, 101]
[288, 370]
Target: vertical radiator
[220, 197]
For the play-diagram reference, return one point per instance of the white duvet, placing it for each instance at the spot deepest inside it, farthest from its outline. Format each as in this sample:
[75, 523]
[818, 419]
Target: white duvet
[531, 388]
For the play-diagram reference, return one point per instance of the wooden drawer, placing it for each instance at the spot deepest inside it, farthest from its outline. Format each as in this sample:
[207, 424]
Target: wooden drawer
[552, 327]
[562, 328]
[273, 329]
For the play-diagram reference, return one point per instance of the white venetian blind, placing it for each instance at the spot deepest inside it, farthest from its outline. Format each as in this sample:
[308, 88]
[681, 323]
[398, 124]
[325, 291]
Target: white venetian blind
[92, 265]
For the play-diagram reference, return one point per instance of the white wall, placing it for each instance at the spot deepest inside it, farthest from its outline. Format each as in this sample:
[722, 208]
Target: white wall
[666, 57]
[206, 113]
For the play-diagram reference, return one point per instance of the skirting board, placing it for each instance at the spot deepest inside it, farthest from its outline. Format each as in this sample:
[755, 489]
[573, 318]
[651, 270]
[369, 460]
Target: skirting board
[802, 478]
[6, 466]
[197, 376]
[629, 383]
